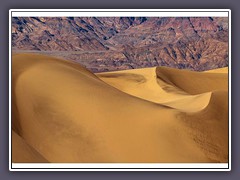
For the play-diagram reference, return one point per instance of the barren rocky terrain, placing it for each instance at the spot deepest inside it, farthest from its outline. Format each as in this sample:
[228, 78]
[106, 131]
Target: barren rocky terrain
[117, 43]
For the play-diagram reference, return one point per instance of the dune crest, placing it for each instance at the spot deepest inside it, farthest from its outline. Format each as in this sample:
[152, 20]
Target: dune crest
[68, 114]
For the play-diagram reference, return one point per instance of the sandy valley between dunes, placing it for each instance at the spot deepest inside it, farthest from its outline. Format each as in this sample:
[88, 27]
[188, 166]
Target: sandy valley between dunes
[61, 112]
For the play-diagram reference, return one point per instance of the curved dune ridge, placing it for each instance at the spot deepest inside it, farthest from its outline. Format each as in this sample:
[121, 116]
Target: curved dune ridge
[61, 112]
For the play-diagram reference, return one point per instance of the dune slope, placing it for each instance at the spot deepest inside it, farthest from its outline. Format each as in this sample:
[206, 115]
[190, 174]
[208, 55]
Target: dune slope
[23, 153]
[184, 90]
[193, 82]
[201, 97]
[68, 114]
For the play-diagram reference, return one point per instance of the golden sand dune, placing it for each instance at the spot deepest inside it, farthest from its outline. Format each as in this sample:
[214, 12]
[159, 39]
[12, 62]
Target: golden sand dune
[193, 82]
[22, 152]
[219, 70]
[161, 85]
[67, 114]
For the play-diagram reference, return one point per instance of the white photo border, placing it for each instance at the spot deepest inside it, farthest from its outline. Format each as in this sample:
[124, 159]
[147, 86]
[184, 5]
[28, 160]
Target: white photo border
[120, 166]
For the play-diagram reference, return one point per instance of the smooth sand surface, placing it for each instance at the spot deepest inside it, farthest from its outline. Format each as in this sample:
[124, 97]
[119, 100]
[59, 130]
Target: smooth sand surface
[64, 113]
[219, 70]
[23, 153]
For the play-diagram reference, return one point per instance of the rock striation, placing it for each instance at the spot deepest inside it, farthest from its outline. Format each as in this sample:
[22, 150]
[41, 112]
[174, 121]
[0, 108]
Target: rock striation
[117, 43]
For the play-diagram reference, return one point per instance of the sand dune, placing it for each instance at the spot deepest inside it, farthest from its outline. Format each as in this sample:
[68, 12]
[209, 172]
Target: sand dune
[184, 90]
[67, 114]
[219, 70]
[193, 82]
[23, 153]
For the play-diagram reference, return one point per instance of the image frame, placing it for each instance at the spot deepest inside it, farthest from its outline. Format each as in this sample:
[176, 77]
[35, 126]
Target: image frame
[74, 167]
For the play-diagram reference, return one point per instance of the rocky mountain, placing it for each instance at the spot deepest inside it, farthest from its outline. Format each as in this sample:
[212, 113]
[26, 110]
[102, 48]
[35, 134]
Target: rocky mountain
[116, 43]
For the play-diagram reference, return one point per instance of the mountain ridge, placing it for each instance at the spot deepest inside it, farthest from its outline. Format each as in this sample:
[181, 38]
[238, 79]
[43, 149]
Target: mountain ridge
[196, 43]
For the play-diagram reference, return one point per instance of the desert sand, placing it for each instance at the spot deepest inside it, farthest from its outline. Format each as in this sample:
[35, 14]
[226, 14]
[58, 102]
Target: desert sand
[61, 112]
